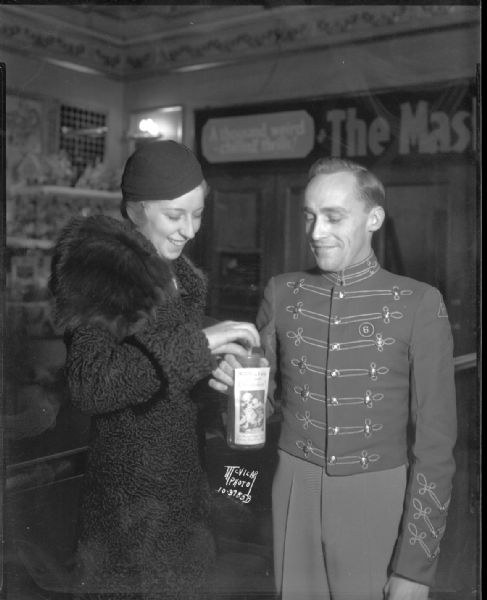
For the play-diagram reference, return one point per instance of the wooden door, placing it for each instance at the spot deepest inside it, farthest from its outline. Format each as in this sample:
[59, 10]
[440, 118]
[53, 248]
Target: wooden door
[294, 252]
[412, 241]
[235, 244]
[431, 234]
[252, 229]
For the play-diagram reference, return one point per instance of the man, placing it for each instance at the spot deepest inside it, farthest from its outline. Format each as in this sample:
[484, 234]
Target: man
[362, 369]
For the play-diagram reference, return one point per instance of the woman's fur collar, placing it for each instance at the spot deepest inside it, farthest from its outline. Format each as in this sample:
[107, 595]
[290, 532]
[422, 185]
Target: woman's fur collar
[105, 272]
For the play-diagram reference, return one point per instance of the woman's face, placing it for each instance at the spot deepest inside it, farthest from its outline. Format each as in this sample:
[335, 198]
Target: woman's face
[170, 224]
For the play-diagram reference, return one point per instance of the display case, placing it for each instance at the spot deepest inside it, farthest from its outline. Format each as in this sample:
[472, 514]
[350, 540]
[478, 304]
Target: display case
[38, 421]
[35, 217]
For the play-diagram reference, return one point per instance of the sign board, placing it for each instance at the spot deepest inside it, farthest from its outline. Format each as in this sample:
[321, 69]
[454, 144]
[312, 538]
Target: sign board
[278, 135]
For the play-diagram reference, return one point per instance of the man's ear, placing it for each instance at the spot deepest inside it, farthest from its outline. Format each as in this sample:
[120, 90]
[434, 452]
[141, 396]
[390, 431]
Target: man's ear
[376, 218]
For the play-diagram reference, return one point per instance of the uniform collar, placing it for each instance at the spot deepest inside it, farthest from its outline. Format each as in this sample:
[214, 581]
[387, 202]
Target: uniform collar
[354, 273]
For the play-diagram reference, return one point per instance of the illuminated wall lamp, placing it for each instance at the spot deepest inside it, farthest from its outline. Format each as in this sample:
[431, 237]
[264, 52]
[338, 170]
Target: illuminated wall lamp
[160, 123]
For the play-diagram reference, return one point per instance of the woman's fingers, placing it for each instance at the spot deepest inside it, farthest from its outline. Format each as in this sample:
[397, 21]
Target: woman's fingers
[222, 378]
[223, 375]
[250, 333]
[218, 386]
[244, 333]
[231, 332]
[230, 362]
[230, 348]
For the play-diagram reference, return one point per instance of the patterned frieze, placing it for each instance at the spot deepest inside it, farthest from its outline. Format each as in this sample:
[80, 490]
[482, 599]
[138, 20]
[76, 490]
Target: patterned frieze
[285, 29]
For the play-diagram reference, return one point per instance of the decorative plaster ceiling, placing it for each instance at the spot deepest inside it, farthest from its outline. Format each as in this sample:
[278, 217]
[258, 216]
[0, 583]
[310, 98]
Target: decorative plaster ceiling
[140, 40]
[136, 23]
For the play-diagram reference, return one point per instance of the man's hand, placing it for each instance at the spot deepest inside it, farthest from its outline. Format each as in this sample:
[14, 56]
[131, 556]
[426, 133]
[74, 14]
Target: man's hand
[398, 588]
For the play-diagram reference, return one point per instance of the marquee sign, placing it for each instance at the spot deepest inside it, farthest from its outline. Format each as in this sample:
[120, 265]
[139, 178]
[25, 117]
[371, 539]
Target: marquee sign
[394, 125]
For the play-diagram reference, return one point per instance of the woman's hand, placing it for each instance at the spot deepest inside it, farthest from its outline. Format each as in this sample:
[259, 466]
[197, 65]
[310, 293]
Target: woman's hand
[222, 378]
[231, 337]
[223, 375]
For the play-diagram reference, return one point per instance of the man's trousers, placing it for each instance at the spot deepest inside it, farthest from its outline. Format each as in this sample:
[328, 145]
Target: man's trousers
[334, 536]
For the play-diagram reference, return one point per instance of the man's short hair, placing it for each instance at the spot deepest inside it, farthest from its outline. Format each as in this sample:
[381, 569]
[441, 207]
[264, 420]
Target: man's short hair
[370, 189]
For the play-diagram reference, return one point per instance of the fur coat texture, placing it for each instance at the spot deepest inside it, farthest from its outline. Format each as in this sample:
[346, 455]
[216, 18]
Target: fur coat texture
[135, 349]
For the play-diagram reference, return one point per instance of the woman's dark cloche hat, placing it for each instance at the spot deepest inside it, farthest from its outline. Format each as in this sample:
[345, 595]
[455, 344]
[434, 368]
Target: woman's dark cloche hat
[161, 170]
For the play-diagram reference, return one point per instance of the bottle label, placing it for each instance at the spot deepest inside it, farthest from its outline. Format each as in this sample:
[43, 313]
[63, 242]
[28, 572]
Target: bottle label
[250, 393]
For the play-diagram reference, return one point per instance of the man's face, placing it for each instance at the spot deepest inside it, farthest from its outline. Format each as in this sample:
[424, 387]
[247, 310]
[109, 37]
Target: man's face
[339, 225]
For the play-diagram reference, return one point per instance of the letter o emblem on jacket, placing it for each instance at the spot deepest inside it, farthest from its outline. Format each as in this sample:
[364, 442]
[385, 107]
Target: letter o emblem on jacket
[366, 329]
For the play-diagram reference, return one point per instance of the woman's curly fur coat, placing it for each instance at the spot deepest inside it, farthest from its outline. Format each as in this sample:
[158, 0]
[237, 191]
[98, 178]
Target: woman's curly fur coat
[135, 349]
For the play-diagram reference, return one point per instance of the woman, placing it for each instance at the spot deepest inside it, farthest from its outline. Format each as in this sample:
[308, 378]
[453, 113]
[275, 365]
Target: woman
[132, 307]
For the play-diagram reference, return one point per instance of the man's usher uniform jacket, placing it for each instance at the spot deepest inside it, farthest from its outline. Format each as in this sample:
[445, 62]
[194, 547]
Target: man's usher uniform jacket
[357, 354]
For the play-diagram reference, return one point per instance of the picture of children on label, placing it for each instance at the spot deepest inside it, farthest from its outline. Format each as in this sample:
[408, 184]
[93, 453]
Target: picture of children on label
[251, 411]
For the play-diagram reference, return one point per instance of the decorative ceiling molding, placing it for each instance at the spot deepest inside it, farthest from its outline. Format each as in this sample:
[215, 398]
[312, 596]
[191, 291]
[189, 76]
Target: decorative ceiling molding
[200, 43]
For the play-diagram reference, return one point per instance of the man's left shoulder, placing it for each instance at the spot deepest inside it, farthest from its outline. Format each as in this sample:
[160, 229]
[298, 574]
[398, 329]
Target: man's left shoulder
[404, 282]
[419, 292]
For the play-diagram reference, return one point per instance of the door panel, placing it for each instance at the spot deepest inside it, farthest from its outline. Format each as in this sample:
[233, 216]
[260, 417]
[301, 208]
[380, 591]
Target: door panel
[295, 252]
[233, 247]
[412, 240]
